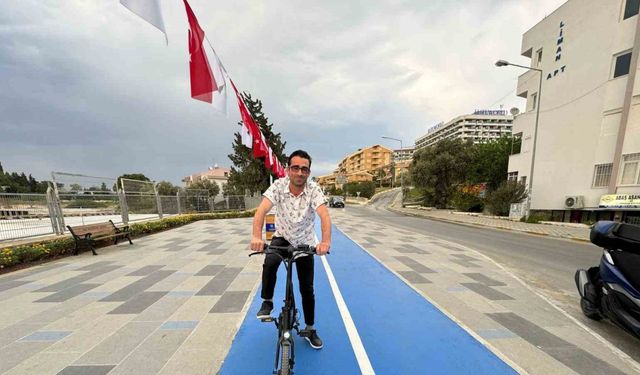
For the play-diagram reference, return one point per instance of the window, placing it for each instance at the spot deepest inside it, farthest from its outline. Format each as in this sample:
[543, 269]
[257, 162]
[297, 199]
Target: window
[539, 56]
[602, 175]
[516, 143]
[630, 168]
[631, 8]
[512, 176]
[623, 62]
[523, 180]
[534, 101]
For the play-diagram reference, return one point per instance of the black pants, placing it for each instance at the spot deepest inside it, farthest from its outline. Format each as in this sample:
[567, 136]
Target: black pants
[304, 266]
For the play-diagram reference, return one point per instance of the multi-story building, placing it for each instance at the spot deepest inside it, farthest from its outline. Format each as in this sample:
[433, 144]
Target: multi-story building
[215, 174]
[480, 126]
[365, 160]
[402, 154]
[587, 155]
[359, 166]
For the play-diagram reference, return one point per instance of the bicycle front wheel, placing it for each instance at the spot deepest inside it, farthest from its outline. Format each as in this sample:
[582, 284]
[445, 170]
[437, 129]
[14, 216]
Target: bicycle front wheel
[285, 359]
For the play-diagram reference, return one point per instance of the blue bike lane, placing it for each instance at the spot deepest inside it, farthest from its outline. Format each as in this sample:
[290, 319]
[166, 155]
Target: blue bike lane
[400, 331]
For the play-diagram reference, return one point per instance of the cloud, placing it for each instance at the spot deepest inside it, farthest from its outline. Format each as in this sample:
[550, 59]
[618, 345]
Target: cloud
[88, 87]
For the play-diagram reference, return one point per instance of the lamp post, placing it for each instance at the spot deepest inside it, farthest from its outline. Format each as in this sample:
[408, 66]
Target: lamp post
[501, 63]
[401, 174]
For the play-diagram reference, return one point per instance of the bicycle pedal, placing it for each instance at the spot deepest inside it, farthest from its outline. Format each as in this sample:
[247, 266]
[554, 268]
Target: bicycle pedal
[267, 320]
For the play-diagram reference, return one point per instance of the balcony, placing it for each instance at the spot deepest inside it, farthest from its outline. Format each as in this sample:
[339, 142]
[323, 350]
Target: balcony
[528, 81]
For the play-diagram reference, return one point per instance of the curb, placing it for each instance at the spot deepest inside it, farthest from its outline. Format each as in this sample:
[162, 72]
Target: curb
[577, 239]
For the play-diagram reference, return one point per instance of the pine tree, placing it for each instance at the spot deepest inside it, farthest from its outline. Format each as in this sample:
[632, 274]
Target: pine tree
[248, 173]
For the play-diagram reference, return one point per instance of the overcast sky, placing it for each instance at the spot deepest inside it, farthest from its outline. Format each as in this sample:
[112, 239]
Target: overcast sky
[87, 87]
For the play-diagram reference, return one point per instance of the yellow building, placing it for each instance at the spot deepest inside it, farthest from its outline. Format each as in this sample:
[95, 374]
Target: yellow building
[326, 180]
[359, 166]
[366, 160]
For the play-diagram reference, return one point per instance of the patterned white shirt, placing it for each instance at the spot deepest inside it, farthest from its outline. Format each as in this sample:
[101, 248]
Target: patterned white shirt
[295, 215]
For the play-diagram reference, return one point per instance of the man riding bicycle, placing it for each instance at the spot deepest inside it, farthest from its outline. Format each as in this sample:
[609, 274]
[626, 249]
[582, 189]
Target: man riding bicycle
[297, 201]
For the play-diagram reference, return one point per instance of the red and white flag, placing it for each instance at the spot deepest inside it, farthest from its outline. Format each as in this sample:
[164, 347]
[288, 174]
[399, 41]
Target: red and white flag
[268, 160]
[251, 130]
[260, 147]
[148, 10]
[245, 136]
[203, 83]
[275, 167]
[220, 77]
[281, 173]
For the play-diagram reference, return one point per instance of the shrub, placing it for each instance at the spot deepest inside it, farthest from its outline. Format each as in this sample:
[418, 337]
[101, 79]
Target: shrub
[467, 202]
[12, 256]
[499, 201]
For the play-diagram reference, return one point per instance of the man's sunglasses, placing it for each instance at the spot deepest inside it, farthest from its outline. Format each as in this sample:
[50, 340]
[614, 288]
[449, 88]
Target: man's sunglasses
[297, 168]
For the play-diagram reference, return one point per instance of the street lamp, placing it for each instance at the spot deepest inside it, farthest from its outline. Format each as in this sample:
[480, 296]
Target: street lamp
[401, 174]
[501, 63]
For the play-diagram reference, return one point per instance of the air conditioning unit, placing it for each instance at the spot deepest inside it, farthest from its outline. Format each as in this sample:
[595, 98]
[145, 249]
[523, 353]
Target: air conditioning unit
[574, 201]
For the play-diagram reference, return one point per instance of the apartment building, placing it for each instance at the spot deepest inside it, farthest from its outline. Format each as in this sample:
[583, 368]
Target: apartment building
[587, 154]
[480, 126]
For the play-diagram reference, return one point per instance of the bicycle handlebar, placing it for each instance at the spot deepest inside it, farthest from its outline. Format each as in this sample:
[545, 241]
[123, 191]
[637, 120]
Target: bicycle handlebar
[291, 250]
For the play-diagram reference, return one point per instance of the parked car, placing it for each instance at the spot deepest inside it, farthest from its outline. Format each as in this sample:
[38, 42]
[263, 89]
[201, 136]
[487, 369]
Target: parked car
[336, 202]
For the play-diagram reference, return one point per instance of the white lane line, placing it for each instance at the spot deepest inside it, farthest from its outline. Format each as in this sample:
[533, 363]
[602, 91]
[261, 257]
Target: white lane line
[352, 332]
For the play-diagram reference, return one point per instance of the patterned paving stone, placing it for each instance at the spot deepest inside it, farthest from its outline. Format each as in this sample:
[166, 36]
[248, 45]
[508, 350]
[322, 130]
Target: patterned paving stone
[230, 302]
[137, 286]
[220, 282]
[87, 370]
[46, 336]
[138, 304]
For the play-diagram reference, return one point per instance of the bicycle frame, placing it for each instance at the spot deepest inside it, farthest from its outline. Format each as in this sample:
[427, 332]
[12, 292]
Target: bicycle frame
[288, 320]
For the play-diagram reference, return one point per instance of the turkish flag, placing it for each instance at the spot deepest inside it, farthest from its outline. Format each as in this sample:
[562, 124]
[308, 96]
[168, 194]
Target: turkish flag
[260, 148]
[202, 82]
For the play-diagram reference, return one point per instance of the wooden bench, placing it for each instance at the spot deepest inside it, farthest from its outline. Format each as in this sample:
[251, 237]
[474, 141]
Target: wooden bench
[87, 235]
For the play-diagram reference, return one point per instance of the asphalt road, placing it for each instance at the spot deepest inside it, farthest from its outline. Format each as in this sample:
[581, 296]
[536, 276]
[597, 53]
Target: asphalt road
[546, 264]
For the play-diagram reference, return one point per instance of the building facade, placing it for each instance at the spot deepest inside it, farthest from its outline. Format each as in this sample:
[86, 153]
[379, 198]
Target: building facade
[403, 154]
[360, 166]
[215, 174]
[587, 154]
[365, 160]
[480, 126]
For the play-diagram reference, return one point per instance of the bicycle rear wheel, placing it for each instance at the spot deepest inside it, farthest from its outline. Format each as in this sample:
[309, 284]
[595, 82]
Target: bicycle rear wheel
[285, 359]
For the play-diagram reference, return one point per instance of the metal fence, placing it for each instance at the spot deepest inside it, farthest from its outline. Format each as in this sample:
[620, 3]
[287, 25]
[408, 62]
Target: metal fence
[24, 215]
[32, 215]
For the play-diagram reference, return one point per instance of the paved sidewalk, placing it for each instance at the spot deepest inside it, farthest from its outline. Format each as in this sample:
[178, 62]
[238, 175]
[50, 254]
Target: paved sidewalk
[172, 303]
[520, 326]
[169, 304]
[578, 234]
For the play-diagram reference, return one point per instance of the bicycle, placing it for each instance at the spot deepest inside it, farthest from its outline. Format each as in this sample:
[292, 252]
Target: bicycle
[289, 318]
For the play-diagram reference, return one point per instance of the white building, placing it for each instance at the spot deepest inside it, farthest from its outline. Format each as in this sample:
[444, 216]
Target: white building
[214, 174]
[481, 126]
[588, 142]
[403, 154]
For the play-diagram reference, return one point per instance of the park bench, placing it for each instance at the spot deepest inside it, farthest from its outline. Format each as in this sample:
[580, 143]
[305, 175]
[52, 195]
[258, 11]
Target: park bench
[87, 235]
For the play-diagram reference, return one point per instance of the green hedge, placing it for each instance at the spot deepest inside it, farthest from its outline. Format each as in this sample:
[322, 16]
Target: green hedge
[12, 256]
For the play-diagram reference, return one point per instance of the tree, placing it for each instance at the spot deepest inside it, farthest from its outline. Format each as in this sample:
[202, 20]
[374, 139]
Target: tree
[104, 187]
[490, 162]
[131, 176]
[75, 187]
[167, 188]
[365, 188]
[437, 170]
[380, 175]
[247, 172]
[208, 185]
